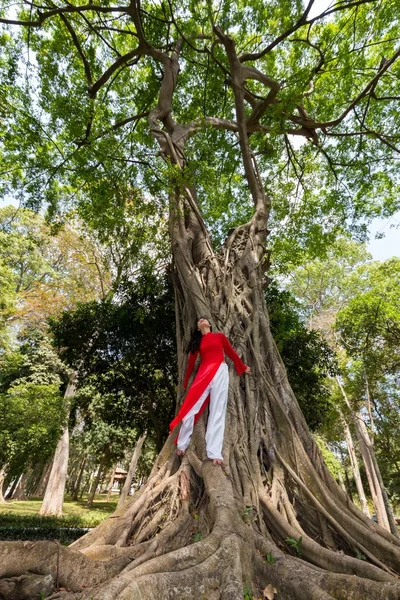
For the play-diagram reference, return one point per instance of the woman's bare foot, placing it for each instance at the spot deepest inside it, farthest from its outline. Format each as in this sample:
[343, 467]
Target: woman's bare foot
[218, 461]
[180, 452]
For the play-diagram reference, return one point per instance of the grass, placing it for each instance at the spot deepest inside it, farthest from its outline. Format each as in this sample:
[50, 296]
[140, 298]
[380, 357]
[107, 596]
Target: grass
[20, 520]
[75, 513]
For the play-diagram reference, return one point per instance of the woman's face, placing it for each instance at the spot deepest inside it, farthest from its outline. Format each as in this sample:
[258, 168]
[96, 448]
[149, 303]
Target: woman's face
[203, 321]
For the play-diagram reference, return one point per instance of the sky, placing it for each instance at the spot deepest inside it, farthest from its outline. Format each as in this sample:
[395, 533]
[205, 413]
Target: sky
[388, 246]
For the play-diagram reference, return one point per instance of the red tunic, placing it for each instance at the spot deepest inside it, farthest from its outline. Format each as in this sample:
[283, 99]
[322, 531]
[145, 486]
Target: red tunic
[212, 349]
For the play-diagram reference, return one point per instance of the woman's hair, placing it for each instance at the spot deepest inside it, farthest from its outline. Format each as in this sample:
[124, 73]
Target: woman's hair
[195, 340]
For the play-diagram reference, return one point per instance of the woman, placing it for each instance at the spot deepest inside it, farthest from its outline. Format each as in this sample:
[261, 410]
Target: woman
[210, 384]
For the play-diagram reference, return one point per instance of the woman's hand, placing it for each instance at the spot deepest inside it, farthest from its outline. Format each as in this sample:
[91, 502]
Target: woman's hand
[248, 370]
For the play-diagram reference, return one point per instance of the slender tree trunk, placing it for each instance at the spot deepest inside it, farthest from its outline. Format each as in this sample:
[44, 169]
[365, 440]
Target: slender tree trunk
[355, 468]
[367, 454]
[3, 475]
[20, 490]
[54, 495]
[34, 479]
[111, 483]
[94, 486]
[131, 471]
[12, 489]
[78, 481]
[366, 451]
[44, 478]
[384, 514]
[389, 511]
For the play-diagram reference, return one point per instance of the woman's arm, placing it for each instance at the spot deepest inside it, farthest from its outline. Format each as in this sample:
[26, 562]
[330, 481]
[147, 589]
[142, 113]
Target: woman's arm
[230, 352]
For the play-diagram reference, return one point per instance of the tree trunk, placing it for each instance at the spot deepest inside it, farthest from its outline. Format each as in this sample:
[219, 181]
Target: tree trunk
[355, 468]
[20, 490]
[384, 512]
[54, 495]
[389, 511]
[3, 475]
[131, 471]
[12, 489]
[371, 466]
[94, 486]
[78, 481]
[44, 478]
[111, 483]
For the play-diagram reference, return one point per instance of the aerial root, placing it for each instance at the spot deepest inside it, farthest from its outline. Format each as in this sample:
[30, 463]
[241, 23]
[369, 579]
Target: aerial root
[172, 537]
[116, 530]
[322, 511]
[364, 532]
[316, 554]
[69, 568]
[186, 574]
[295, 580]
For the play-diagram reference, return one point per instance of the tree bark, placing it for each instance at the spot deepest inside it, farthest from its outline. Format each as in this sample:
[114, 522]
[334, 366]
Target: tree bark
[355, 468]
[54, 496]
[111, 483]
[94, 486]
[20, 490]
[78, 481]
[131, 471]
[44, 478]
[3, 475]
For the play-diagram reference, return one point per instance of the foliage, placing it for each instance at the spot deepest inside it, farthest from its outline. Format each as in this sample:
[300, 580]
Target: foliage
[369, 325]
[306, 355]
[323, 285]
[296, 544]
[75, 130]
[330, 459]
[125, 358]
[31, 419]
[270, 558]
[32, 408]
[43, 273]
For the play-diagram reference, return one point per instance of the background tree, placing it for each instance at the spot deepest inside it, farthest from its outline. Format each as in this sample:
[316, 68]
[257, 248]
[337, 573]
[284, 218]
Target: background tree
[369, 330]
[32, 407]
[126, 354]
[308, 359]
[352, 301]
[47, 273]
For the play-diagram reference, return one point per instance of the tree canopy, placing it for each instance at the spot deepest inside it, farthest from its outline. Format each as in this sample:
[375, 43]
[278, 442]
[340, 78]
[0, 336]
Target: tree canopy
[80, 87]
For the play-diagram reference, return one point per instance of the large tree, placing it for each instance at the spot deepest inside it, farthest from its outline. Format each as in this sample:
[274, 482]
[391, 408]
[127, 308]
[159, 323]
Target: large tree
[217, 92]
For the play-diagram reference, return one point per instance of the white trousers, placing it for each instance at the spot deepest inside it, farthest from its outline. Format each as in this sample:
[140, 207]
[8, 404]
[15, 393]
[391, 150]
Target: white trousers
[218, 390]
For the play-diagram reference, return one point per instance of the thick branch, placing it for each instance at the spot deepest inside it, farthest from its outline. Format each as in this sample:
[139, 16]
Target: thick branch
[238, 75]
